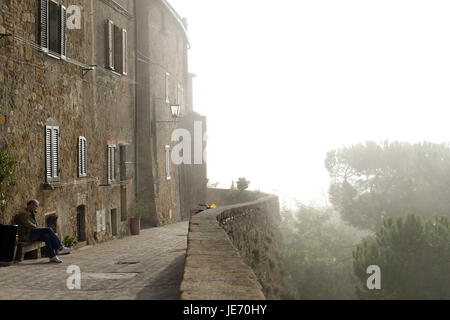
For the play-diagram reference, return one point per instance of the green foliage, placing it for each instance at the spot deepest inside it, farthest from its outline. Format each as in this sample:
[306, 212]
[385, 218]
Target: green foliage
[373, 181]
[7, 178]
[138, 209]
[414, 258]
[242, 184]
[69, 241]
[317, 253]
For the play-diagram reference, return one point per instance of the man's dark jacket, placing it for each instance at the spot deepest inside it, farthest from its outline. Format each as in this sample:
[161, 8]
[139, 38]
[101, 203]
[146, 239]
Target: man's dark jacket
[26, 221]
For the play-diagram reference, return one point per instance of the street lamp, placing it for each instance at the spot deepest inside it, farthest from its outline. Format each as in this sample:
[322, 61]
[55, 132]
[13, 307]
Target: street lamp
[175, 112]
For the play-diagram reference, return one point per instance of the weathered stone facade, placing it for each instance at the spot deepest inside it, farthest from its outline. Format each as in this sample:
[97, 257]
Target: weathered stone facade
[162, 74]
[103, 106]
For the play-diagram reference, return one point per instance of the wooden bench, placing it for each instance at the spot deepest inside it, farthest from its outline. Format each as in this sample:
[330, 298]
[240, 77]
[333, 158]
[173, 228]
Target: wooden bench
[32, 246]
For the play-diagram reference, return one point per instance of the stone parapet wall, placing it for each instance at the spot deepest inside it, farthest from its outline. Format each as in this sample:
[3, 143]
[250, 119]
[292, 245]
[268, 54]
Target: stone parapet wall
[233, 253]
[225, 197]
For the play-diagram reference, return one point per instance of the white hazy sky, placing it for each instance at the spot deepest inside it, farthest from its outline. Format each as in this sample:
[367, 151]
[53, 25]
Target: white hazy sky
[282, 82]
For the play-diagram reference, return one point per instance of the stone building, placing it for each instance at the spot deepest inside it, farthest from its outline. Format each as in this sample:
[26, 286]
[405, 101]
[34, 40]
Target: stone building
[82, 86]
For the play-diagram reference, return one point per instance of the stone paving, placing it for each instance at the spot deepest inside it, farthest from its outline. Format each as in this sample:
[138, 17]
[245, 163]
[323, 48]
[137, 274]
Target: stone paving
[144, 267]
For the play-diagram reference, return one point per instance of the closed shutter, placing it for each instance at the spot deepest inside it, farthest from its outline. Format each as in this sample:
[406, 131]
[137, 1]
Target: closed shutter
[110, 44]
[63, 31]
[52, 153]
[125, 52]
[118, 49]
[43, 25]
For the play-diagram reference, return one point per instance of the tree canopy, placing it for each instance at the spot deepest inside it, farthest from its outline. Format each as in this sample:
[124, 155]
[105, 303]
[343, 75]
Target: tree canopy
[371, 181]
[413, 256]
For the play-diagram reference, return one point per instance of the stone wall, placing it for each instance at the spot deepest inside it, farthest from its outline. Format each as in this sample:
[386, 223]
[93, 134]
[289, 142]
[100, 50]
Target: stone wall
[225, 197]
[228, 247]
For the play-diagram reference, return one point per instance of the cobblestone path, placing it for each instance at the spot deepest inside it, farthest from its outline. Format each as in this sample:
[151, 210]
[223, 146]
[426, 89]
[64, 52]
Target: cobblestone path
[147, 266]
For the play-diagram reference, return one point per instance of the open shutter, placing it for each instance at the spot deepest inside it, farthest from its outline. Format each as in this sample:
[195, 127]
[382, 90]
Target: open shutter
[109, 164]
[63, 31]
[80, 159]
[167, 87]
[125, 52]
[118, 49]
[43, 25]
[55, 153]
[113, 178]
[110, 44]
[168, 162]
[82, 171]
[48, 154]
[84, 160]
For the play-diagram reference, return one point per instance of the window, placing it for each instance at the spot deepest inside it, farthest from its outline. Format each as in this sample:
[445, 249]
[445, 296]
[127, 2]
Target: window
[52, 153]
[111, 163]
[168, 163]
[52, 28]
[82, 171]
[117, 43]
[167, 87]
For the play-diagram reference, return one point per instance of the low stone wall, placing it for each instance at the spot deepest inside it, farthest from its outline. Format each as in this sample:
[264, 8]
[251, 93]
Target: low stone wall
[226, 197]
[233, 253]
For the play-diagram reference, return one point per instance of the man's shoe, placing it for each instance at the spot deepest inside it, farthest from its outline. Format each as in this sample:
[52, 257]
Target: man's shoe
[65, 250]
[55, 259]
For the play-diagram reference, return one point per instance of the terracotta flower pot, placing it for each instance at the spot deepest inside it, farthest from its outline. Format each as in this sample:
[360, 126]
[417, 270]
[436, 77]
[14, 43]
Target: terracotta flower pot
[135, 225]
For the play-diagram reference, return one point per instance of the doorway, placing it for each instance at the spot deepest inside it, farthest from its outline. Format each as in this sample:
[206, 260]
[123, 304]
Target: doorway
[81, 223]
[114, 222]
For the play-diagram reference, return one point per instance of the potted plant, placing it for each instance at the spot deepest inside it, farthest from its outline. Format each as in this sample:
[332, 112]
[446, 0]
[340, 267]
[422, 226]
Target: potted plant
[137, 210]
[8, 232]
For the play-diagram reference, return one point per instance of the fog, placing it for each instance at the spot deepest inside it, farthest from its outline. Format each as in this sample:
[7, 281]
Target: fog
[284, 82]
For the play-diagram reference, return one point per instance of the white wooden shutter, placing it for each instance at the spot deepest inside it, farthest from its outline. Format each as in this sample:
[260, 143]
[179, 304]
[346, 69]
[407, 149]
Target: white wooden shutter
[82, 171]
[84, 160]
[111, 163]
[110, 44]
[55, 153]
[43, 28]
[63, 31]
[167, 87]
[168, 163]
[52, 153]
[125, 52]
[48, 154]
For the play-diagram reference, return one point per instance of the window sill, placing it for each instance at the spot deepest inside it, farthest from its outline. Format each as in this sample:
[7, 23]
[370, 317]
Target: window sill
[52, 185]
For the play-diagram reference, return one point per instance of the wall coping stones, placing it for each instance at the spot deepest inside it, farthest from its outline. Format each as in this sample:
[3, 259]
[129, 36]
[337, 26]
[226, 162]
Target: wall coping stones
[213, 269]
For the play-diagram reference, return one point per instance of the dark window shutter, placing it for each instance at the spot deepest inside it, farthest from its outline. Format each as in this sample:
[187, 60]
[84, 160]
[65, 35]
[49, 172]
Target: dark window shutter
[118, 49]
[110, 44]
[54, 28]
[63, 31]
[43, 25]
[111, 163]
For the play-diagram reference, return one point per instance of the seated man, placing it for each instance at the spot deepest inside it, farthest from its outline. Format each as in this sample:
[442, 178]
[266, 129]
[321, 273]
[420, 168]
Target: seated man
[29, 231]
